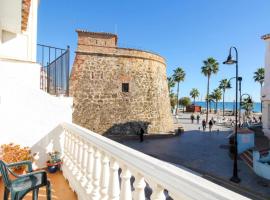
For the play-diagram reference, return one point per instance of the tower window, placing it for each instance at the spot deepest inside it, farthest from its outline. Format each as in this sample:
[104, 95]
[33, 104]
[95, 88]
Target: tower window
[125, 87]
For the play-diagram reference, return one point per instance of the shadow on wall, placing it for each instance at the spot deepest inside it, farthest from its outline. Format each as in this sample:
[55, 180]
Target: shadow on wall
[53, 141]
[128, 128]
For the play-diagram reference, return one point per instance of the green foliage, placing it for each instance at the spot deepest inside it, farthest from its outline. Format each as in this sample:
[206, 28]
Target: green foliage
[259, 75]
[224, 84]
[173, 100]
[171, 84]
[210, 66]
[179, 75]
[184, 101]
[194, 93]
[247, 105]
[217, 94]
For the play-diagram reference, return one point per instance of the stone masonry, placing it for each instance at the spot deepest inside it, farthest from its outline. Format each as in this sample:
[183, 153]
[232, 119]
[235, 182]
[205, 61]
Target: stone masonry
[118, 90]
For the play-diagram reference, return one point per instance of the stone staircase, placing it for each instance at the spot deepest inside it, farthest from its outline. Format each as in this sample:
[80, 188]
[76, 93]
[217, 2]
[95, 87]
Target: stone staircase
[247, 157]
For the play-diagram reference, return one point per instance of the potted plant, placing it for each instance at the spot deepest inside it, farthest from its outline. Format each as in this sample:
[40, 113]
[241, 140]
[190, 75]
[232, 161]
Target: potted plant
[15, 153]
[54, 162]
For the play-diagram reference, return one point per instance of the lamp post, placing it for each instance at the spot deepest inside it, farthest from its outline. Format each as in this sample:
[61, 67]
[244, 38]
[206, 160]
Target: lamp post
[230, 61]
[240, 92]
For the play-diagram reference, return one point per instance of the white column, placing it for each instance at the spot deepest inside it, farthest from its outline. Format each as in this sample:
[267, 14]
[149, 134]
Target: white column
[84, 163]
[114, 189]
[105, 177]
[158, 192]
[126, 193]
[90, 164]
[96, 176]
[139, 186]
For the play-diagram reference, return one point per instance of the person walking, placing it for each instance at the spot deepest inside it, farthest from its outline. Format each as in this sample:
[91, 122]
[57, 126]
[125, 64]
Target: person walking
[192, 118]
[141, 134]
[198, 119]
[203, 124]
[210, 125]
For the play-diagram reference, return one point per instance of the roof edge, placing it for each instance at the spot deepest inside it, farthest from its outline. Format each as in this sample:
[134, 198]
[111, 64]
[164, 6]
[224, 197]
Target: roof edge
[95, 33]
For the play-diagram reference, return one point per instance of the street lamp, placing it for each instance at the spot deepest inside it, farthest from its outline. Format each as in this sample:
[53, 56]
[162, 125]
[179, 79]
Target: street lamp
[230, 61]
[239, 80]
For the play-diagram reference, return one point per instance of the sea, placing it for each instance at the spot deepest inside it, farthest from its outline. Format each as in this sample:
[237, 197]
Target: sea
[228, 105]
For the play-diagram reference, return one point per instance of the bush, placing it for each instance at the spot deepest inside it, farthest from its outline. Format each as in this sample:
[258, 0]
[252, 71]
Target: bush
[15, 153]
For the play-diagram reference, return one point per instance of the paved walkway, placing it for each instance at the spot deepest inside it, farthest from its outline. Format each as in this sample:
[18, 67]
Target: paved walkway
[203, 152]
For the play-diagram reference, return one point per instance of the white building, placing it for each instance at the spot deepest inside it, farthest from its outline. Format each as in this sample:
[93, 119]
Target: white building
[31, 117]
[265, 93]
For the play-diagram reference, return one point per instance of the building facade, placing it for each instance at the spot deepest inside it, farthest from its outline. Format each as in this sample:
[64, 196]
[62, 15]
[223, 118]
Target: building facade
[118, 90]
[265, 93]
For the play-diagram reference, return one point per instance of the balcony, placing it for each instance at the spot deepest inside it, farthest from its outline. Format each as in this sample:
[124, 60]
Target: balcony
[98, 168]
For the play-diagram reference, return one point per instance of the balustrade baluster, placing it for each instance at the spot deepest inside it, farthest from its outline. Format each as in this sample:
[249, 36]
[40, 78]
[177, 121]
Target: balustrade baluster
[90, 164]
[105, 177]
[65, 145]
[139, 186]
[72, 147]
[126, 193]
[158, 192]
[74, 160]
[84, 163]
[96, 176]
[114, 189]
[79, 159]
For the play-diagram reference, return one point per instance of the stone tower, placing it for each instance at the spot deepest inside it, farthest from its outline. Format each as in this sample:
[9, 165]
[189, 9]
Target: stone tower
[118, 90]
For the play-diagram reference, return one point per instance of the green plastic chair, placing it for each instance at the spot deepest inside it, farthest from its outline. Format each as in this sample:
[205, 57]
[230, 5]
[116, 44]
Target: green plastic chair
[23, 184]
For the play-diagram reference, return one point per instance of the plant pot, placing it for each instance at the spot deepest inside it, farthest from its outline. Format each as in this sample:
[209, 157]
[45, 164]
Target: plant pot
[53, 168]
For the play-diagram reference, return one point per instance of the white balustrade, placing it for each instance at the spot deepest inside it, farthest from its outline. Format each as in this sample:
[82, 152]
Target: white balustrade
[96, 160]
[96, 176]
[126, 193]
[114, 190]
[105, 177]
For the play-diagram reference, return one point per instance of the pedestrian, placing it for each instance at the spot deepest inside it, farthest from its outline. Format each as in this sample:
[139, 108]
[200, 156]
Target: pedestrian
[192, 118]
[141, 134]
[210, 125]
[203, 124]
[198, 119]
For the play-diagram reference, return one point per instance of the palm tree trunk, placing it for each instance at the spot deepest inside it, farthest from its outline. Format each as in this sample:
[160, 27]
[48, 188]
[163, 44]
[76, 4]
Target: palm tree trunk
[261, 100]
[216, 106]
[223, 102]
[194, 101]
[207, 95]
[177, 95]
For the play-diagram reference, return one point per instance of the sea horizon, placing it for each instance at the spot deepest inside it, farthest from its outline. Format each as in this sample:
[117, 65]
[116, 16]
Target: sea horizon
[228, 105]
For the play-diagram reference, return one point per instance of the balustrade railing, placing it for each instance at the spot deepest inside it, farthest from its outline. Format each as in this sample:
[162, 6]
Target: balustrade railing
[99, 168]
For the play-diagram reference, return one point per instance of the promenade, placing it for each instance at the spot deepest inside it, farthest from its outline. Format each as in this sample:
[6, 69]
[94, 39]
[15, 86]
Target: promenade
[206, 154]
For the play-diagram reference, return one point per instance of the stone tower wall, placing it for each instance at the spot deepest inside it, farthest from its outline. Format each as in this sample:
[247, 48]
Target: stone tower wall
[99, 102]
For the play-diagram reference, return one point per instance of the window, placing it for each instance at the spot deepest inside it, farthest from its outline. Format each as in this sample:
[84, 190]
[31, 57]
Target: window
[125, 87]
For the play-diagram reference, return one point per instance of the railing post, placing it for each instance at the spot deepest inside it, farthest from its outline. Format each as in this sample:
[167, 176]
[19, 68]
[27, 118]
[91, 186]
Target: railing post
[114, 189]
[139, 186]
[158, 193]
[105, 177]
[125, 185]
[90, 164]
[96, 176]
[67, 73]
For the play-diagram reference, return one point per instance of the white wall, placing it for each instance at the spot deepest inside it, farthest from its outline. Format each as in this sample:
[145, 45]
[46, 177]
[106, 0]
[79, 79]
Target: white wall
[15, 44]
[265, 93]
[25, 73]
[28, 115]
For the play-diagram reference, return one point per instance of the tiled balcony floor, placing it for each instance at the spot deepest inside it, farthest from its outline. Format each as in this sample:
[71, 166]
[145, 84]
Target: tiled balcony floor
[60, 189]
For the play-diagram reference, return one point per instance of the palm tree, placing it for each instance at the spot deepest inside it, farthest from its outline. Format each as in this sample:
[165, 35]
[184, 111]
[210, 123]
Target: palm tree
[224, 84]
[178, 76]
[217, 95]
[259, 77]
[171, 84]
[194, 93]
[210, 67]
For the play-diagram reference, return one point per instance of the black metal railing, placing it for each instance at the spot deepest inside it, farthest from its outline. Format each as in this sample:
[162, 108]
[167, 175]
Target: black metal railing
[54, 74]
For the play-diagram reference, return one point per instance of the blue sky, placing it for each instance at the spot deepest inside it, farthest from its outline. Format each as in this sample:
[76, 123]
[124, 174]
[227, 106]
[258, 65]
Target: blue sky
[185, 32]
